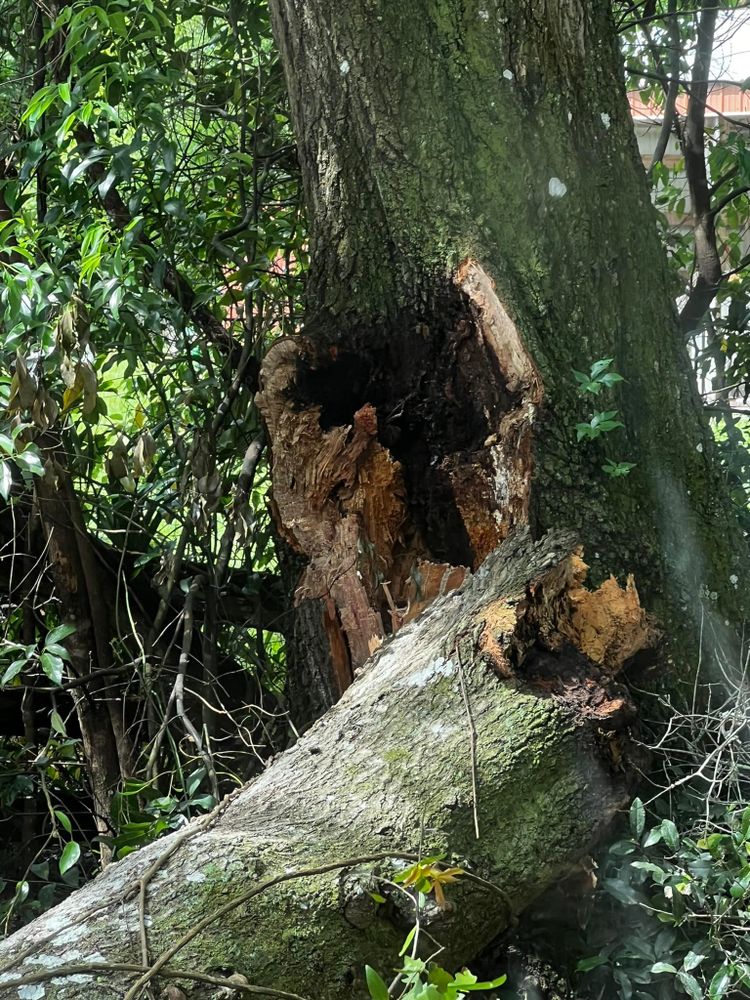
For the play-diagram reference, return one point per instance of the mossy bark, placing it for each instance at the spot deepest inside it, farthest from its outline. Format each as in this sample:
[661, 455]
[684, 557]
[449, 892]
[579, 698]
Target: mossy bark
[392, 768]
[498, 131]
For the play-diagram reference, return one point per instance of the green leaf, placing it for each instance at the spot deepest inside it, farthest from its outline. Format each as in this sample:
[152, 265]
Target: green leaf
[741, 884]
[193, 781]
[6, 480]
[691, 985]
[59, 633]
[13, 671]
[414, 965]
[206, 802]
[637, 818]
[440, 978]
[487, 985]
[663, 967]
[464, 978]
[720, 983]
[653, 836]
[592, 962]
[692, 960]
[617, 469]
[52, 666]
[655, 871]
[377, 988]
[670, 834]
[610, 379]
[57, 724]
[621, 890]
[31, 461]
[70, 855]
[6, 444]
[600, 366]
[57, 650]
[175, 208]
[407, 941]
[64, 820]
[38, 104]
[745, 823]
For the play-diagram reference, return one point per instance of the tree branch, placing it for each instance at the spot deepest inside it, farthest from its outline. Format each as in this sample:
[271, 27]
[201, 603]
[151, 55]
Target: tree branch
[650, 15]
[728, 199]
[673, 90]
[707, 259]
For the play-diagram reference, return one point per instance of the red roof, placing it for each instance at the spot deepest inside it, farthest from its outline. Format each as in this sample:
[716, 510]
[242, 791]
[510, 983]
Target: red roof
[723, 99]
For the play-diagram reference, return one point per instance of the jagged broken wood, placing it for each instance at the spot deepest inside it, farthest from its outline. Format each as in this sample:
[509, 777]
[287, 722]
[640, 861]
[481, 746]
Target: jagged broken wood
[391, 488]
[484, 712]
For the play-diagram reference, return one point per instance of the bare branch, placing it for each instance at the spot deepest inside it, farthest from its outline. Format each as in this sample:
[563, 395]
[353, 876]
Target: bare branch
[673, 90]
[707, 259]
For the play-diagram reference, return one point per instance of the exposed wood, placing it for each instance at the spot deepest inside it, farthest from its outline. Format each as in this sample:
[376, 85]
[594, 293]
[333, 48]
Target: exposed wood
[480, 226]
[344, 500]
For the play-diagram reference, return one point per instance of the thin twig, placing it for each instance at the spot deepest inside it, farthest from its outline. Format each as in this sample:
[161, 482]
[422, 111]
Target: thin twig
[222, 911]
[82, 968]
[178, 840]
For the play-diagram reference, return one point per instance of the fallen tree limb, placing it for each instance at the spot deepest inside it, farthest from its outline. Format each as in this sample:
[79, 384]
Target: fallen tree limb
[483, 713]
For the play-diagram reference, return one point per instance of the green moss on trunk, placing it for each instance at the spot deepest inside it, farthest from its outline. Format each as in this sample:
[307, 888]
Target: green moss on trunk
[389, 770]
[499, 130]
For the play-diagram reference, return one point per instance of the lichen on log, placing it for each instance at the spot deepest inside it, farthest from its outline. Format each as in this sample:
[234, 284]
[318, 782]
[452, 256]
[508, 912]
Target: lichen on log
[392, 769]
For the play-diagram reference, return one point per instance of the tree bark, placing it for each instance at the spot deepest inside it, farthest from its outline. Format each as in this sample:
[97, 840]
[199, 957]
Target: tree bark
[481, 731]
[86, 600]
[480, 226]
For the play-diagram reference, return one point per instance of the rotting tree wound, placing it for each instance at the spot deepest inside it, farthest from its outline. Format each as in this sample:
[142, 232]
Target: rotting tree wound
[400, 460]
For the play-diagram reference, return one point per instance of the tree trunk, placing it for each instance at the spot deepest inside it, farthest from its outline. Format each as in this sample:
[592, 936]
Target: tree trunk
[480, 226]
[86, 598]
[481, 731]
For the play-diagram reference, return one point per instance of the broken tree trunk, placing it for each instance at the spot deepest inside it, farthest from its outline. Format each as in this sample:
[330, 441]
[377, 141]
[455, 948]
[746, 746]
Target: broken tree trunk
[491, 729]
[480, 226]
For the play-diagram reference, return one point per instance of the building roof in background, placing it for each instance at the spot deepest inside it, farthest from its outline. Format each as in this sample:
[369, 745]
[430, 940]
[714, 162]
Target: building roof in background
[726, 99]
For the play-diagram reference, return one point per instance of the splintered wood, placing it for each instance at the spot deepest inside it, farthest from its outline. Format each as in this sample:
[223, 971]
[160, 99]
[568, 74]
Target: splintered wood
[339, 493]
[608, 625]
[340, 500]
[568, 641]
[494, 504]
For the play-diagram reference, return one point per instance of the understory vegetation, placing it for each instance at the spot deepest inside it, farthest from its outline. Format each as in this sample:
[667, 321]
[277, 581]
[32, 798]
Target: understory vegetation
[152, 247]
[664, 910]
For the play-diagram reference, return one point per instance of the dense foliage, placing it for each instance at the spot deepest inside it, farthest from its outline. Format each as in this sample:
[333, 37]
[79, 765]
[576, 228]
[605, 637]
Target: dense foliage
[152, 245]
[671, 913]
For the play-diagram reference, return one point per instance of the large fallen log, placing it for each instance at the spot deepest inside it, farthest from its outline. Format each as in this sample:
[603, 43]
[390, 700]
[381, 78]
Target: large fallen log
[490, 729]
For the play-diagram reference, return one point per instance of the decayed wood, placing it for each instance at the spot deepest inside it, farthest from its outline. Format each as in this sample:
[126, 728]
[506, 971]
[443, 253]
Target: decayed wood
[455, 134]
[395, 768]
[340, 494]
